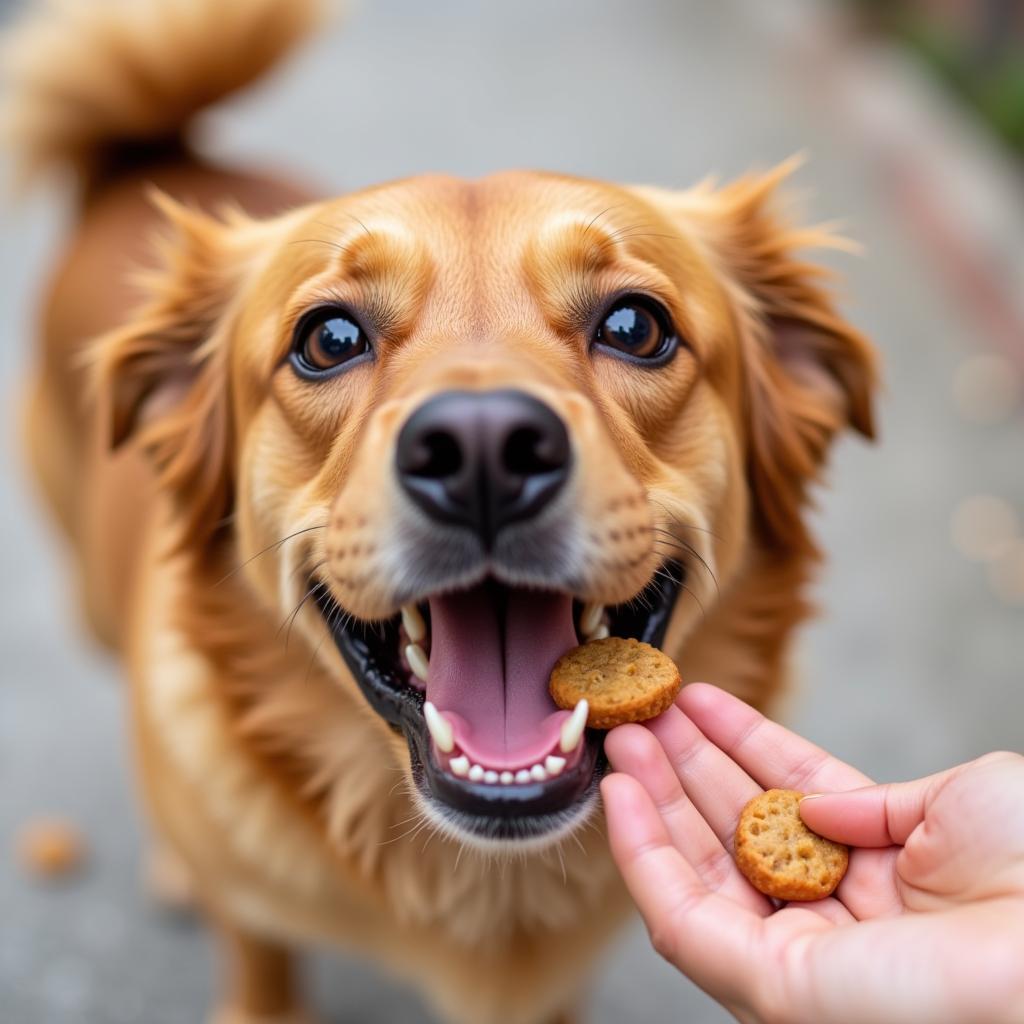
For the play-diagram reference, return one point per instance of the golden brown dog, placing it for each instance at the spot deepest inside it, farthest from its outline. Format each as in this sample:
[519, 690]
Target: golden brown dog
[344, 477]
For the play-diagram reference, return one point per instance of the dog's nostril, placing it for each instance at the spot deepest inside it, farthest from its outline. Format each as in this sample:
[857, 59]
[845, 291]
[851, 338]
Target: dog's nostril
[482, 459]
[528, 452]
[441, 456]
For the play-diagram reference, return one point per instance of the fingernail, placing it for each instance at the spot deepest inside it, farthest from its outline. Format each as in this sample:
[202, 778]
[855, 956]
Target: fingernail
[809, 796]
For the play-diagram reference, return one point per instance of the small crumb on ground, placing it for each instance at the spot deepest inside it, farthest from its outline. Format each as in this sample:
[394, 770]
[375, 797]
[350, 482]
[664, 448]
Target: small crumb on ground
[50, 848]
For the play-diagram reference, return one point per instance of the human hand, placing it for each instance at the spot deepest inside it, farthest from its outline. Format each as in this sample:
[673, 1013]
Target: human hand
[927, 925]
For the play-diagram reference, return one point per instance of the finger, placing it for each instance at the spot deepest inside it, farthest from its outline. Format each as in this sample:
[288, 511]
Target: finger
[633, 750]
[710, 938]
[774, 756]
[718, 786]
[874, 816]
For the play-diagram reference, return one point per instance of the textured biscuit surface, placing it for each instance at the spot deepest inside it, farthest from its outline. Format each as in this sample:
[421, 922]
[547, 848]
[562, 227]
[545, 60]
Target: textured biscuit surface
[623, 680]
[780, 855]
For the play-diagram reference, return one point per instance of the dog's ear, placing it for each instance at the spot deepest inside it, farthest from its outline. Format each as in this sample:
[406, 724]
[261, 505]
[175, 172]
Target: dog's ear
[808, 373]
[161, 379]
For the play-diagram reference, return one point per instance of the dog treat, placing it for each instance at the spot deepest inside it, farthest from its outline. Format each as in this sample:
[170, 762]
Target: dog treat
[622, 680]
[780, 855]
[50, 848]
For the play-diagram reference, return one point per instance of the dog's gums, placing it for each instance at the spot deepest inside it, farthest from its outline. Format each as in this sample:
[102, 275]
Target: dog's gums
[465, 678]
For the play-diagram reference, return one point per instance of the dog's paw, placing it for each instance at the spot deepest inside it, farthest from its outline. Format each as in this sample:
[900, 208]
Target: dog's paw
[233, 1015]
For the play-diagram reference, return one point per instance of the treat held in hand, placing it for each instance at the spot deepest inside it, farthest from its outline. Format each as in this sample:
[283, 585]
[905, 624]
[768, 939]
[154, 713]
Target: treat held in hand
[780, 856]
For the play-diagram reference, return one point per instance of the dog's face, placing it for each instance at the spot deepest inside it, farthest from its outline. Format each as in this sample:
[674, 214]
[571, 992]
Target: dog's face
[492, 420]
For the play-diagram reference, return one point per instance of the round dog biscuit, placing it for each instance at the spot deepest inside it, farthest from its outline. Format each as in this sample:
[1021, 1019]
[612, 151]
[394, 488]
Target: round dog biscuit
[780, 855]
[622, 680]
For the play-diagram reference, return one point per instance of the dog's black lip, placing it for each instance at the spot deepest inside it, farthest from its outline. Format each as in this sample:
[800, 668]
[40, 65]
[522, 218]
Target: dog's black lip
[492, 812]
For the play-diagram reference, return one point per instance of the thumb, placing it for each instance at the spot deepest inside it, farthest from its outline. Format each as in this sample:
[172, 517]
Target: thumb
[873, 816]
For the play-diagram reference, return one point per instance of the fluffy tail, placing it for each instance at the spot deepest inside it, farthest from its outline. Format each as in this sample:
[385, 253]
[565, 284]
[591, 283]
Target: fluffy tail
[90, 82]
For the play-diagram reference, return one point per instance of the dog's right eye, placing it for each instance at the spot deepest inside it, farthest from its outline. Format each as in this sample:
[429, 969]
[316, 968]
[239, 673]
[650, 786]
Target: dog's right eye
[326, 340]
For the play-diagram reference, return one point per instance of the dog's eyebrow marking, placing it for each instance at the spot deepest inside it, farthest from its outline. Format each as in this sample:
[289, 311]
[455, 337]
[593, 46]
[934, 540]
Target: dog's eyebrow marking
[563, 261]
[391, 268]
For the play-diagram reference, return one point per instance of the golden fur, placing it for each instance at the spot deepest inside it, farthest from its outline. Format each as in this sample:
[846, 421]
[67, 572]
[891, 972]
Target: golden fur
[182, 458]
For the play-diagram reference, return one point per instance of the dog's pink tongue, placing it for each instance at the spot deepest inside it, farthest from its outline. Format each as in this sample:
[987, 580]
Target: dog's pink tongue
[490, 660]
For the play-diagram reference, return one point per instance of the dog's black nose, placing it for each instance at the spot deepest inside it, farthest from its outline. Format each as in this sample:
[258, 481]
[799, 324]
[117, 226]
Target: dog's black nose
[483, 459]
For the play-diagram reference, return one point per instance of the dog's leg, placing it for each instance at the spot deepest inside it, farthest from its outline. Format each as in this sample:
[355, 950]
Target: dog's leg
[259, 985]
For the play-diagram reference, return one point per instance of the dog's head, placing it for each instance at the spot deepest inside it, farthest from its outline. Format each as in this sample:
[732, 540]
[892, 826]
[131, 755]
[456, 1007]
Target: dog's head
[474, 424]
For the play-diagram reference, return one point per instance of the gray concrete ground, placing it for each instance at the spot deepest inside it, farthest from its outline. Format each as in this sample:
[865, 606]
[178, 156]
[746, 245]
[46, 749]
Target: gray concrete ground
[915, 664]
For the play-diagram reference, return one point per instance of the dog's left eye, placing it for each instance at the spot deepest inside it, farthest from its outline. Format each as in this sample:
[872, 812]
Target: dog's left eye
[327, 340]
[638, 329]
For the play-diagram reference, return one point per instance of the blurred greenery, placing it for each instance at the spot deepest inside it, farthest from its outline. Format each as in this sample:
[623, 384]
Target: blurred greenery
[976, 56]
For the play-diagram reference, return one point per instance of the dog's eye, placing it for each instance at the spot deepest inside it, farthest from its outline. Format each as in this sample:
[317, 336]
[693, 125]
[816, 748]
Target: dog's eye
[327, 340]
[638, 329]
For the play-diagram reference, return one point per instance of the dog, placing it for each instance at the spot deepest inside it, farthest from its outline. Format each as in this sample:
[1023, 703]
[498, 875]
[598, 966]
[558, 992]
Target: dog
[343, 477]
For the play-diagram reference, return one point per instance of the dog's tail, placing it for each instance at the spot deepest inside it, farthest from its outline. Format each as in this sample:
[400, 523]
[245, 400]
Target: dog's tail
[91, 84]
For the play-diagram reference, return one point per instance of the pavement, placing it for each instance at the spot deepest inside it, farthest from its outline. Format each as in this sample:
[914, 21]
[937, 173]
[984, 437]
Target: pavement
[915, 663]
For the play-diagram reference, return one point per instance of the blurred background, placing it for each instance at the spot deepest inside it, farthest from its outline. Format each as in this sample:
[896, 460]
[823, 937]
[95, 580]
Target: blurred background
[912, 118]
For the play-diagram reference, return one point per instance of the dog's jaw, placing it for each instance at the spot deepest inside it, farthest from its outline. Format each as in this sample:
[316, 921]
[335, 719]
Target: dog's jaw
[475, 777]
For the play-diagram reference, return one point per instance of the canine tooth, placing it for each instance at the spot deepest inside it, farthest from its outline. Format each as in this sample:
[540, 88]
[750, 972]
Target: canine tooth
[440, 728]
[523, 775]
[415, 625]
[553, 764]
[476, 773]
[601, 633]
[572, 729]
[590, 618]
[418, 661]
[537, 773]
[490, 777]
[507, 778]
[459, 765]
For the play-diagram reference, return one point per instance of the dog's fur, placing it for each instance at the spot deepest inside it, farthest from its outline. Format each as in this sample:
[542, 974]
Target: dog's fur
[179, 451]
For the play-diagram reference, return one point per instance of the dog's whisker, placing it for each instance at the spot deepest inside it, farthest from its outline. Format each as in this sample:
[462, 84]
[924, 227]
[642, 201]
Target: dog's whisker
[290, 620]
[269, 547]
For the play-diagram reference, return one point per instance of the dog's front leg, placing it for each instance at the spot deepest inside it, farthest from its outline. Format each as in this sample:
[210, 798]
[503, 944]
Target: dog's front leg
[259, 984]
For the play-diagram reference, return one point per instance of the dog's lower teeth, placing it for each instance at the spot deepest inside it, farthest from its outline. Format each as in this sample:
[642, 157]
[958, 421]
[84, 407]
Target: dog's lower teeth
[462, 767]
[440, 728]
[572, 729]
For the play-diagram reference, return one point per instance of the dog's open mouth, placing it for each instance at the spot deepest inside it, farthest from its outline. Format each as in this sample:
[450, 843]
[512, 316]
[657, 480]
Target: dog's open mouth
[464, 675]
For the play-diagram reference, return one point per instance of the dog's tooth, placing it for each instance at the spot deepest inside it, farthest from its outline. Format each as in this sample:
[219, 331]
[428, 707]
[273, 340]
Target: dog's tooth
[476, 773]
[507, 778]
[601, 633]
[572, 729]
[490, 777]
[415, 624]
[418, 661]
[523, 776]
[459, 766]
[590, 618]
[440, 728]
[537, 773]
[553, 765]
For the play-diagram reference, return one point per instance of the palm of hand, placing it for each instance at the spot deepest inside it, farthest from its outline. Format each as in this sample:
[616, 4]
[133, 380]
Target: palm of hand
[916, 930]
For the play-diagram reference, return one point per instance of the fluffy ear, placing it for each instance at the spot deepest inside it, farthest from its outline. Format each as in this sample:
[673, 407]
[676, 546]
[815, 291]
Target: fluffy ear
[809, 373]
[161, 379]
